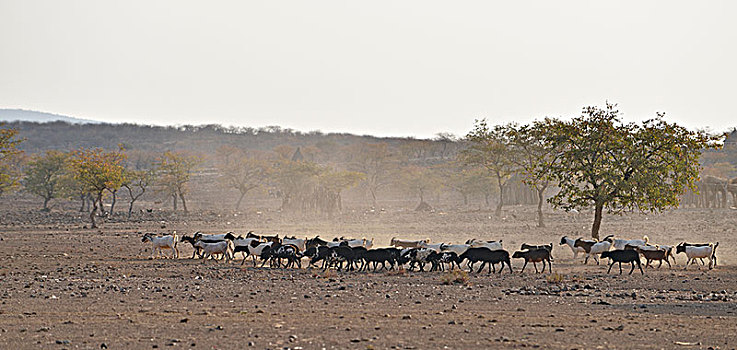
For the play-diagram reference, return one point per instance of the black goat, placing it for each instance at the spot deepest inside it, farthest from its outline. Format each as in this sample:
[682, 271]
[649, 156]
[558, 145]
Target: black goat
[548, 247]
[535, 256]
[486, 256]
[623, 256]
[439, 259]
[380, 255]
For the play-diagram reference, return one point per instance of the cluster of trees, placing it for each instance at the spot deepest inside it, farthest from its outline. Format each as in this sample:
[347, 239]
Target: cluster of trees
[92, 174]
[593, 161]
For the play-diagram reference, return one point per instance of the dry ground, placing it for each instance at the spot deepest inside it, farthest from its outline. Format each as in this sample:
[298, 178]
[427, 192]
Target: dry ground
[62, 286]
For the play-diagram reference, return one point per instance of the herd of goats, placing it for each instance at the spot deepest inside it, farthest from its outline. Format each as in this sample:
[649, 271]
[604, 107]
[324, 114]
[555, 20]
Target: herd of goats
[359, 254]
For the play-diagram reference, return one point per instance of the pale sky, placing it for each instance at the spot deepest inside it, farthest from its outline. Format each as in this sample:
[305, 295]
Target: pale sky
[387, 68]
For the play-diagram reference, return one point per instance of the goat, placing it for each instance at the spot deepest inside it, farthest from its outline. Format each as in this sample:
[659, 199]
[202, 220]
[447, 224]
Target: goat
[436, 246]
[571, 243]
[278, 252]
[380, 255]
[297, 242]
[314, 242]
[486, 255]
[255, 249]
[458, 249]
[492, 245]
[196, 250]
[713, 256]
[405, 243]
[241, 245]
[339, 254]
[620, 243]
[212, 249]
[594, 249]
[694, 252]
[162, 242]
[438, 259]
[318, 253]
[548, 247]
[623, 256]
[652, 253]
[199, 236]
[417, 256]
[535, 256]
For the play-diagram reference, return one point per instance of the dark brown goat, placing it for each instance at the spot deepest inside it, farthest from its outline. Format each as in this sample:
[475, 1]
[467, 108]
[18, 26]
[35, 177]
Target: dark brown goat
[535, 256]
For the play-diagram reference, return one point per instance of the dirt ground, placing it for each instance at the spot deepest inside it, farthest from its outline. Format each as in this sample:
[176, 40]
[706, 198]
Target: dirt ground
[64, 286]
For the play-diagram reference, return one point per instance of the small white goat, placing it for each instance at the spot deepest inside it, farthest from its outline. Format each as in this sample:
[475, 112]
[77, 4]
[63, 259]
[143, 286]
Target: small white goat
[212, 249]
[162, 242]
[698, 252]
[620, 243]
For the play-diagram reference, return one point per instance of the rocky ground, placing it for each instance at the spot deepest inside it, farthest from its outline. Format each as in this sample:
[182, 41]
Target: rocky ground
[63, 286]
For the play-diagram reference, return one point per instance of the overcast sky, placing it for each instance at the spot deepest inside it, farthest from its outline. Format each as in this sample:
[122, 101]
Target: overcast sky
[388, 68]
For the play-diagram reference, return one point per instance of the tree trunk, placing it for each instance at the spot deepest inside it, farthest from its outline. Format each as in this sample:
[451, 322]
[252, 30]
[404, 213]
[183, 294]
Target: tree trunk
[112, 205]
[130, 207]
[238, 205]
[46, 204]
[174, 198]
[94, 210]
[486, 199]
[373, 197]
[599, 208]
[540, 198]
[84, 200]
[498, 211]
[422, 196]
[184, 203]
[465, 198]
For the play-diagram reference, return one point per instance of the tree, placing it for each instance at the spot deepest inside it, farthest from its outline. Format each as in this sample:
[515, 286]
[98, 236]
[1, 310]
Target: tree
[137, 182]
[535, 157]
[175, 171]
[9, 157]
[468, 180]
[490, 148]
[329, 186]
[420, 181]
[378, 163]
[607, 164]
[96, 171]
[295, 181]
[241, 172]
[47, 176]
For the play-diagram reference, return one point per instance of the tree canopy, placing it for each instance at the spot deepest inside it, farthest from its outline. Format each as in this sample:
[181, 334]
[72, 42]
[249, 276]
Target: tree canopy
[607, 164]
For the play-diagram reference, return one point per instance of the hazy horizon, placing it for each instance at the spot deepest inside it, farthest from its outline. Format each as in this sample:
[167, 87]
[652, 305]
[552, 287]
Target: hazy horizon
[388, 68]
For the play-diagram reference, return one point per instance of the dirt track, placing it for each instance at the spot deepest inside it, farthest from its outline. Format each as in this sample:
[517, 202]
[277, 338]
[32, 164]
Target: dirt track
[82, 288]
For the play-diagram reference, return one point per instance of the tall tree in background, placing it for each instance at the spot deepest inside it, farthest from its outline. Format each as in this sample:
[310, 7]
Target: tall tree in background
[607, 164]
[535, 157]
[240, 172]
[47, 176]
[9, 157]
[96, 171]
[378, 163]
[175, 171]
[490, 147]
[467, 180]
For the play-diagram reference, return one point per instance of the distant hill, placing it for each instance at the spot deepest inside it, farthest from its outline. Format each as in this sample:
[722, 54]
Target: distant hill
[12, 115]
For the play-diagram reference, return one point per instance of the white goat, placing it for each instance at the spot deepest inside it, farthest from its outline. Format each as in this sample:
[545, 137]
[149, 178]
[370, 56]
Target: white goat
[162, 242]
[597, 249]
[212, 249]
[455, 248]
[492, 245]
[620, 243]
[297, 242]
[697, 252]
[435, 246]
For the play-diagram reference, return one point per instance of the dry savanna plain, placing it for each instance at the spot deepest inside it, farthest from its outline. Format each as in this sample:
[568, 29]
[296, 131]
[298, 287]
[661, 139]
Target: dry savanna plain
[66, 286]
